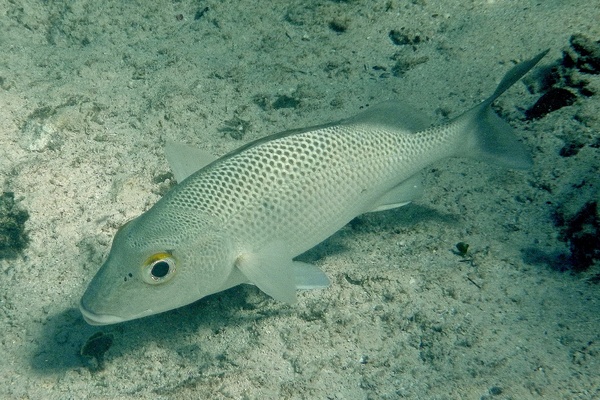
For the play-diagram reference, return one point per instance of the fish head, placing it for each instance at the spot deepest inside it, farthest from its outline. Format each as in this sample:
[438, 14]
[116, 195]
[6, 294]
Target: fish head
[149, 271]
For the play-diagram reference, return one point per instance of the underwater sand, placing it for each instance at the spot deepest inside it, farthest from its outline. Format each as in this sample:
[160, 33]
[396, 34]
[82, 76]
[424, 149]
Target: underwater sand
[90, 91]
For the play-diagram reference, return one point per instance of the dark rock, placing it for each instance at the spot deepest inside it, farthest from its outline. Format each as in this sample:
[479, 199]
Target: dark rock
[582, 232]
[554, 99]
[13, 238]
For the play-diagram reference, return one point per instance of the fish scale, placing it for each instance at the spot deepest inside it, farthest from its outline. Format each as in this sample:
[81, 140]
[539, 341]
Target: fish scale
[309, 173]
[306, 205]
[244, 217]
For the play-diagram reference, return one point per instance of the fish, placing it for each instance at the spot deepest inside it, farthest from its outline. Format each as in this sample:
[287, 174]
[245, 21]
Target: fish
[245, 217]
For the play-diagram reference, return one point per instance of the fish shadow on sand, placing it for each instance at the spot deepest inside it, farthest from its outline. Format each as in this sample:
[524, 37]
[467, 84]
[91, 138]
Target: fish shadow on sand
[65, 333]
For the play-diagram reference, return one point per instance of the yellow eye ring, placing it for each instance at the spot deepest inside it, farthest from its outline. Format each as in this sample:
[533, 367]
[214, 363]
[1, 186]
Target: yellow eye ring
[159, 268]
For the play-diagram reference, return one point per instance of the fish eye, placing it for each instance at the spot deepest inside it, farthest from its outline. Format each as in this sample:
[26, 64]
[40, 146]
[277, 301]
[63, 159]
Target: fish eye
[159, 268]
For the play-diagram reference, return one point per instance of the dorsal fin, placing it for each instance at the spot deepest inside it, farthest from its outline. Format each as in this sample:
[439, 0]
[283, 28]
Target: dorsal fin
[393, 114]
[184, 160]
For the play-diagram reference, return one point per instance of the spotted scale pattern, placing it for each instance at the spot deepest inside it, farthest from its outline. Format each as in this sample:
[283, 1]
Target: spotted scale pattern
[298, 187]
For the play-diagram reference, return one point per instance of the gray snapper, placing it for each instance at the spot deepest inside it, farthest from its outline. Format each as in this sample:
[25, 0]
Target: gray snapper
[244, 217]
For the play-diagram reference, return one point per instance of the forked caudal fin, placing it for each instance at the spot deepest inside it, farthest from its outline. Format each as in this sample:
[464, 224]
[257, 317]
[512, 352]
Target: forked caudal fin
[488, 137]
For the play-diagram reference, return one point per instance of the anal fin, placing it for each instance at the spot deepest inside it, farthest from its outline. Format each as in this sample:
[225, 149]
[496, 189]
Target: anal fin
[309, 276]
[401, 194]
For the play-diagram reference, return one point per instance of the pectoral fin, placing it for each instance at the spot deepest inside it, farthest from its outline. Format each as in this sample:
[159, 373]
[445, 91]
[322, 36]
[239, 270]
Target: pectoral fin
[274, 272]
[271, 269]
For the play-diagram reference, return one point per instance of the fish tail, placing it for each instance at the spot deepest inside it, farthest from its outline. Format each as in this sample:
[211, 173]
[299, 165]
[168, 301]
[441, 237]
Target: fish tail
[490, 138]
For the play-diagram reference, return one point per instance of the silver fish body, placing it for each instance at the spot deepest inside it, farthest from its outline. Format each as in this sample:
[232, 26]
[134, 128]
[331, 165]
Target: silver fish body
[244, 217]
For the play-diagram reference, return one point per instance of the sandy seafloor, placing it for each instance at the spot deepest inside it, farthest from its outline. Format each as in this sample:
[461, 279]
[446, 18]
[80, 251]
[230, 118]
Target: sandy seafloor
[90, 91]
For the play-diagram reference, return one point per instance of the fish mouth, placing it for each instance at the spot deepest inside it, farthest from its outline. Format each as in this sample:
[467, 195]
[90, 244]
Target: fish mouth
[106, 319]
[99, 319]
